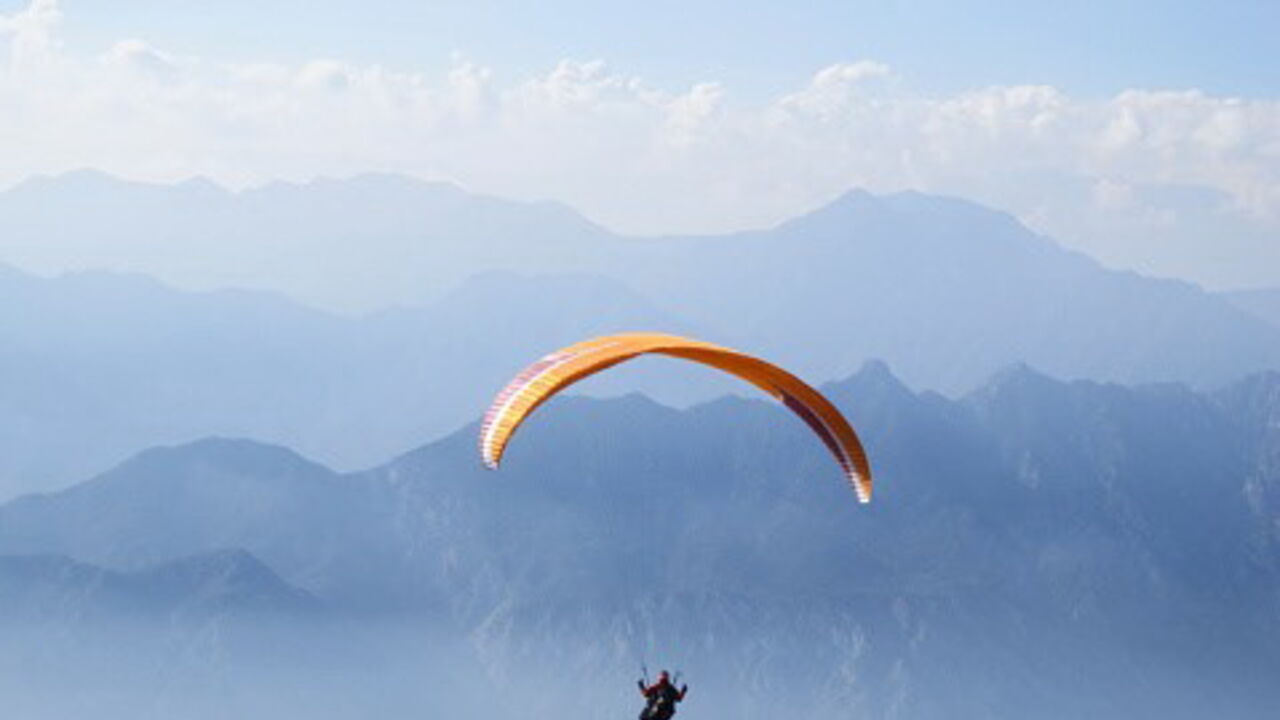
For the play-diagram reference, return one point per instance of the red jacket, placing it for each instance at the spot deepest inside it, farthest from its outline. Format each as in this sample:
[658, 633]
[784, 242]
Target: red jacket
[665, 686]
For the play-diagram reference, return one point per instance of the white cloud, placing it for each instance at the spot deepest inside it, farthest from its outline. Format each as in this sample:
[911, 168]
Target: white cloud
[646, 159]
[327, 75]
[30, 33]
[470, 86]
[136, 56]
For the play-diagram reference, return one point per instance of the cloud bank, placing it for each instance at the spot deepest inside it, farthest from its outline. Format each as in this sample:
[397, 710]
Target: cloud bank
[1170, 182]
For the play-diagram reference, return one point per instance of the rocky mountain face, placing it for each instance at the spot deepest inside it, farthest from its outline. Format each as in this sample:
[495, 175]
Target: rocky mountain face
[1034, 548]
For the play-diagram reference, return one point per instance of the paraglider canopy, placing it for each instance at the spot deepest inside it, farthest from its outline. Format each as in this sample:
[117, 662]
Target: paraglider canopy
[543, 379]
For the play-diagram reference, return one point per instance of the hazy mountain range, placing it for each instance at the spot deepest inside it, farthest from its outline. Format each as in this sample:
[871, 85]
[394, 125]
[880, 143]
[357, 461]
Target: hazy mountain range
[369, 242]
[96, 366]
[1036, 548]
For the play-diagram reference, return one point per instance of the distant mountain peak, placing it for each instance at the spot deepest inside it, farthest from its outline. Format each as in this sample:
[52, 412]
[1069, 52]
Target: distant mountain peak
[874, 380]
[1018, 377]
[858, 209]
[873, 373]
[82, 176]
[1019, 372]
[851, 198]
[850, 206]
[238, 455]
[228, 576]
[876, 369]
[1020, 385]
[200, 183]
[618, 406]
[94, 181]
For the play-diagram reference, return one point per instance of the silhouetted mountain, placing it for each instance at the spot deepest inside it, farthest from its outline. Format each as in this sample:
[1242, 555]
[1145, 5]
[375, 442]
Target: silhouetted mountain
[947, 292]
[324, 531]
[1036, 547]
[358, 244]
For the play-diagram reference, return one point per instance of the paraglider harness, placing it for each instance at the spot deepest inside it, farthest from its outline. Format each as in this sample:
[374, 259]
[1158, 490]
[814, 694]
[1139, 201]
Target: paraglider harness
[660, 699]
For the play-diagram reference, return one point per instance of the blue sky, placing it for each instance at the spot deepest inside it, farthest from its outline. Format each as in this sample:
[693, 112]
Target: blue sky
[758, 48]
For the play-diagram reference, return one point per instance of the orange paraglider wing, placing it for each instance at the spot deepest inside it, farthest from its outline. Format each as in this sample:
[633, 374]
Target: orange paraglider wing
[546, 377]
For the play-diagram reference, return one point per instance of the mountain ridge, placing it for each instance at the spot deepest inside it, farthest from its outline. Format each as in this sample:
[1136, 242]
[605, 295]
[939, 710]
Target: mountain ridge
[944, 290]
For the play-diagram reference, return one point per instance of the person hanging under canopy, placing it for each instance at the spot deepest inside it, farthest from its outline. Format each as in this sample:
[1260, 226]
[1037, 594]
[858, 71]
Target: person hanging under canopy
[661, 697]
